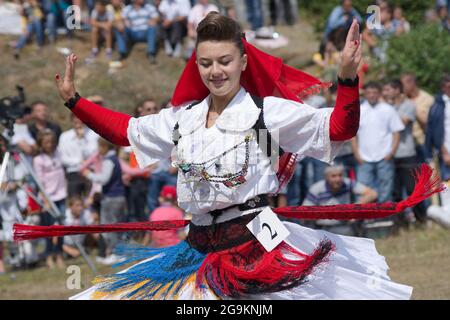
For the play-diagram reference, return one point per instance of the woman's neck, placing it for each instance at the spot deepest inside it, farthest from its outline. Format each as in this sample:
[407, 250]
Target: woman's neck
[218, 104]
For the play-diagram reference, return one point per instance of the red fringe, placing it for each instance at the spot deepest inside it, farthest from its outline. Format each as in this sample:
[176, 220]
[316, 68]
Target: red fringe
[426, 186]
[27, 232]
[250, 269]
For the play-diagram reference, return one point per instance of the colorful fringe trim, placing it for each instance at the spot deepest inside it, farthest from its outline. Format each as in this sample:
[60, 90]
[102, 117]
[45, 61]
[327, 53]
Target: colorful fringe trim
[234, 273]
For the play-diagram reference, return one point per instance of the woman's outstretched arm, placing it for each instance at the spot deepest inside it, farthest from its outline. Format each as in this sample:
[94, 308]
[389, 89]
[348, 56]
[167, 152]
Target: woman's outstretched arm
[344, 122]
[109, 124]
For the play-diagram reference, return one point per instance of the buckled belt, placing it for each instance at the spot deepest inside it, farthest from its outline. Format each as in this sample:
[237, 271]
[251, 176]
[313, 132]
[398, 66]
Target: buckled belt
[253, 203]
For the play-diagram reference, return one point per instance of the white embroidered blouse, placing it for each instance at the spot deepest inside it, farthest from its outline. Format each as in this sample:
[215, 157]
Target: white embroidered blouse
[296, 127]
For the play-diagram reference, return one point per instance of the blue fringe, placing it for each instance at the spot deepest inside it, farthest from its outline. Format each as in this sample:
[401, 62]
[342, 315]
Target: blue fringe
[174, 266]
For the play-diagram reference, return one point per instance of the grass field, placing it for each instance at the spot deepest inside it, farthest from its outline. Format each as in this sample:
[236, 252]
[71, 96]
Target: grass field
[418, 258]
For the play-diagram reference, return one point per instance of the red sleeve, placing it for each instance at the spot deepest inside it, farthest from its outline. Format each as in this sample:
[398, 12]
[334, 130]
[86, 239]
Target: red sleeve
[344, 122]
[111, 125]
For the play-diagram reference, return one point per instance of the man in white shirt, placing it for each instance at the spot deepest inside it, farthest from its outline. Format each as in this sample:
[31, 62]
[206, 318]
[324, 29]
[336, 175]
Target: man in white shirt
[377, 142]
[174, 24]
[75, 146]
[197, 14]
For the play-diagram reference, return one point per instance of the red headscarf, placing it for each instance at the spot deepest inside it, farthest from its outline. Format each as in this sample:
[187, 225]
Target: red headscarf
[264, 76]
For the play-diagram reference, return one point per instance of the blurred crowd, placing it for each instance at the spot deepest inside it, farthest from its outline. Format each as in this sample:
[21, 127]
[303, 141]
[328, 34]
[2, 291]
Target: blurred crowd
[119, 24]
[91, 181]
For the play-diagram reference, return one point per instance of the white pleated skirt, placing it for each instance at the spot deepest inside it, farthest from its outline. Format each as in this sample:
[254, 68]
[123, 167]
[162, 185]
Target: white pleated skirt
[354, 271]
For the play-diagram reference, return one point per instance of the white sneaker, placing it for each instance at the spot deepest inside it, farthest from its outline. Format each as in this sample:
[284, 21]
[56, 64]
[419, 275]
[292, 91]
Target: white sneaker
[113, 259]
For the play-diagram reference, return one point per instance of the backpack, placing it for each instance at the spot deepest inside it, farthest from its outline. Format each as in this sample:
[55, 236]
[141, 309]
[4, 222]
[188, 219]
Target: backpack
[284, 161]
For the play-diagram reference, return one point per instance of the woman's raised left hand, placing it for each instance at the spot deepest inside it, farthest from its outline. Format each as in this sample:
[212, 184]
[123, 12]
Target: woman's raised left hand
[352, 53]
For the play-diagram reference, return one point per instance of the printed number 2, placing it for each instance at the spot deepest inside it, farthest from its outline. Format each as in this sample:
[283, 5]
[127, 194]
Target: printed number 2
[274, 235]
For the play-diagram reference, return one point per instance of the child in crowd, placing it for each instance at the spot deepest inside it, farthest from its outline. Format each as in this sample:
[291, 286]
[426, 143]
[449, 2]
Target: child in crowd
[113, 204]
[76, 215]
[167, 211]
[50, 173]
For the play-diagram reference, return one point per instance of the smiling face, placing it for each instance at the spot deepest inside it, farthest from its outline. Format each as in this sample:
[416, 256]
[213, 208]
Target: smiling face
[220, 64]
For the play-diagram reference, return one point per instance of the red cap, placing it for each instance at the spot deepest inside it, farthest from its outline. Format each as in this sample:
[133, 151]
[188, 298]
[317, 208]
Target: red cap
[169, 192]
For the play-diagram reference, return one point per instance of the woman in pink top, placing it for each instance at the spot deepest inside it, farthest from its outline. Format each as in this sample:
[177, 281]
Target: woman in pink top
[167, 210]
[50, 173]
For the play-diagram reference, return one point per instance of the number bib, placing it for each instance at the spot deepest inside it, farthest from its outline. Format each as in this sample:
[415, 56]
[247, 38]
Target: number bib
[268, 229]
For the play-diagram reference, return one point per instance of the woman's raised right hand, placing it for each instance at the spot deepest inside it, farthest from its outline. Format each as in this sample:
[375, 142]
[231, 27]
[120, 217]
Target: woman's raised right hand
[66, 85]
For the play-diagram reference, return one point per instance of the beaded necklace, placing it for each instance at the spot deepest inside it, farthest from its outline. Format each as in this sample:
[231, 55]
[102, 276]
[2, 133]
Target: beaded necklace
[196, 172]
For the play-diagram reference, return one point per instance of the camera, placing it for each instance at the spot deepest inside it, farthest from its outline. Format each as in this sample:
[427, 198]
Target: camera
[12, 108]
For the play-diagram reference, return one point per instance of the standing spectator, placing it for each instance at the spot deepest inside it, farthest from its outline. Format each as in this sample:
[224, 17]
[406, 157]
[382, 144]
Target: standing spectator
[336, 189]
[423, 102]
[50, 173]
[338, 24]
[405, 157]
[22, 137]
[140, 21]
[76, 215]
[438, 128]
[56, 15]
[116, 7]
[197, 14]
[102, 20]
[378, 38]
[167, 211]
[227, 8]
[255, 14]
[40, 114]
[12, 203]
[75, 146]
[400, 23]
[113, 204]
[33, 16]
[174, 25]
[376, 143]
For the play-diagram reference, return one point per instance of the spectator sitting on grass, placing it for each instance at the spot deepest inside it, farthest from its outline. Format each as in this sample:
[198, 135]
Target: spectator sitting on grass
[76, 215]
[32, 15]
[174, 25]
[140, 19]
[335, 189]
[101, 21]
[197, 14]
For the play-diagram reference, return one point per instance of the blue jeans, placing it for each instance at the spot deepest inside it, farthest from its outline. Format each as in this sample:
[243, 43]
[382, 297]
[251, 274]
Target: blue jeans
[34, 27]
[48, 220]
[156, 183]
[255, 13]
[378, 176]
[295, 186]
[131, 37]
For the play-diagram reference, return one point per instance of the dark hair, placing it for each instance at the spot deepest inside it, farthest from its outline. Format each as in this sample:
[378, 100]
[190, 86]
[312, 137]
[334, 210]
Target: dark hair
[445, 79]
[396, 84]
[216, 27]
[410, 75]
[373, 85]
[35, 103]
[46, 133]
